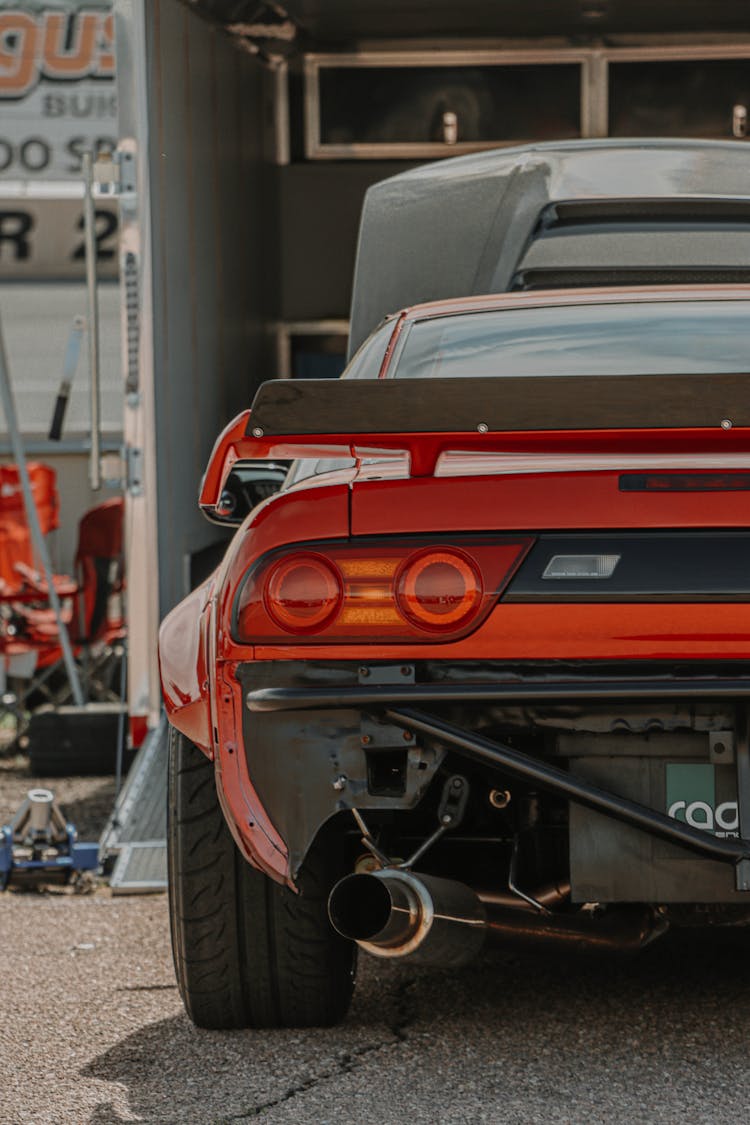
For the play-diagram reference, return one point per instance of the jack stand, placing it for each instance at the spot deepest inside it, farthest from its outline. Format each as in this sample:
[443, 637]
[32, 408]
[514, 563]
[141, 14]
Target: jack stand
[40, 846]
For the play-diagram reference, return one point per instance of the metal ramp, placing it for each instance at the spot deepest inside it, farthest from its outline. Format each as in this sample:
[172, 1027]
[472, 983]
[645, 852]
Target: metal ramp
[141, 867]
[133, 845]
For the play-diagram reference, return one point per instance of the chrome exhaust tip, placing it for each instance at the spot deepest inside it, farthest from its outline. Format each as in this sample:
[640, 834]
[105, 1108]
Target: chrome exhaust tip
[394, 913]
[433, 921]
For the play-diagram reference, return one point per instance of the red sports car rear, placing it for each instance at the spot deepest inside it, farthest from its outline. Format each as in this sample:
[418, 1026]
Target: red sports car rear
[479, 671]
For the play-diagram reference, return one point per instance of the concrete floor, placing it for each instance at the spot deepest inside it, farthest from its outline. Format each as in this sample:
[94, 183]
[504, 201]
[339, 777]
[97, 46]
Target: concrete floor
[93, 1031]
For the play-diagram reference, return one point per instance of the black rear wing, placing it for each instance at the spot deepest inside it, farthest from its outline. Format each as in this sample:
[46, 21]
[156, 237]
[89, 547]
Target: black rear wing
[500, 405]
[426, 417]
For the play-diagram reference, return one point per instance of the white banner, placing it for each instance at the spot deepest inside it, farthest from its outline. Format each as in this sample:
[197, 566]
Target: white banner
[43, 238]
[57, 89]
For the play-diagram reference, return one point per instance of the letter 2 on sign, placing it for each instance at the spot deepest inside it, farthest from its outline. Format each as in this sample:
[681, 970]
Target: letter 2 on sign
[106, 226]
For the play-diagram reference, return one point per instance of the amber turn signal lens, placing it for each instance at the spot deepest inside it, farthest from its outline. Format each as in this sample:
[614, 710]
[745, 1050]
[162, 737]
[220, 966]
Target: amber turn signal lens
[397, 590]
[439, 590]
[303, 594]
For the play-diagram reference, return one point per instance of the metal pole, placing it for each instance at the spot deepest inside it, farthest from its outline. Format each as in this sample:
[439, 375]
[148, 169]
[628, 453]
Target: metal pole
[121, 720]
[32, 516]
[95, 469]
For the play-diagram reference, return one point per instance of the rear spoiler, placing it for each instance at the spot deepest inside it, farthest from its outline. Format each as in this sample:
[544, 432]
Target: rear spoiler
[426, 417]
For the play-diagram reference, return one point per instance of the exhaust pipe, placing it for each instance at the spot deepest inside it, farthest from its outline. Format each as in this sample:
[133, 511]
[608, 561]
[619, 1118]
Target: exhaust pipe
[623, 930]
[432, 921]
[393, 913]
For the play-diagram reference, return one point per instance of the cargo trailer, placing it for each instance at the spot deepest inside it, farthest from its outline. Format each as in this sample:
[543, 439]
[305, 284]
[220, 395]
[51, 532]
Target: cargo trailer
[249, 136]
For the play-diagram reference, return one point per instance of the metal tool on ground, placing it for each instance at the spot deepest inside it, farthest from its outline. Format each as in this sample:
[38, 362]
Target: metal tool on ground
[40, 846]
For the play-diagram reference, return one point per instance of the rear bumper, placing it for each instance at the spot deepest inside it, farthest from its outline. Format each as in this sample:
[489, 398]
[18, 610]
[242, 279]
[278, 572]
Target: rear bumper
[315, 734]
[534, 689]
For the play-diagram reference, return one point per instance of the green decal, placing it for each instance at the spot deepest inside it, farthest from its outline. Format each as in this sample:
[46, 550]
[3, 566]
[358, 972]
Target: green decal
[694, 787]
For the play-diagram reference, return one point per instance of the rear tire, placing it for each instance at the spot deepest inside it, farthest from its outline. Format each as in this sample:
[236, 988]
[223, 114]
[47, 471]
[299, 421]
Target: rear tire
[248, 952]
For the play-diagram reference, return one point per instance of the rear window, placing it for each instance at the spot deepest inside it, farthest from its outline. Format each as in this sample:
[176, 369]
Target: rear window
[368, 359]
[662, 338]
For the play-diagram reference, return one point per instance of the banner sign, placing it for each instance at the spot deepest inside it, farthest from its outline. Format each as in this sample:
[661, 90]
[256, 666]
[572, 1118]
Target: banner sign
[43, 238]
[57, 89]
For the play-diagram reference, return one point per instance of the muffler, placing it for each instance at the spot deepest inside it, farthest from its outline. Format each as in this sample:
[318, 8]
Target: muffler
[393, 913]
[433, 921]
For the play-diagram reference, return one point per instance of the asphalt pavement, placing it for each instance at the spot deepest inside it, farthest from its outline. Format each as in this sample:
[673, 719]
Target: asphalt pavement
[93, 1031]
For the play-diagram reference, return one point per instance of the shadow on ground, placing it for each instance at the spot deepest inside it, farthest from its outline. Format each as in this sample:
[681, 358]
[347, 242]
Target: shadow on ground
[86, 801]
[91, 812]
[550, 1032]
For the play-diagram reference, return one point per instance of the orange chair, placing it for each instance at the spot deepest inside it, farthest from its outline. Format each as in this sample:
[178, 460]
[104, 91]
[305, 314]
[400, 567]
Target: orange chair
[91, 603]
[15, 539]
[93, 611]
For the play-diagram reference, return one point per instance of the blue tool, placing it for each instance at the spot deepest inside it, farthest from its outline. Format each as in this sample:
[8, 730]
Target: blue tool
[40, 846]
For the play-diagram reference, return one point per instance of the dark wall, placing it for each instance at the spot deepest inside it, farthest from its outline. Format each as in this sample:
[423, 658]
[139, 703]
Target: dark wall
[337, 21]
[207, 212]
[319, 209]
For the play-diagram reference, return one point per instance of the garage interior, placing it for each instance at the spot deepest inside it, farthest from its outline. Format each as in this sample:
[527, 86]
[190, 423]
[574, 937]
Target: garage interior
[364, 91]
[259, 128]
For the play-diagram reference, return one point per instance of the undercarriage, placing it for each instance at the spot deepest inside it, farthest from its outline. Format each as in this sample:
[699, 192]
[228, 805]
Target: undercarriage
[582, 804]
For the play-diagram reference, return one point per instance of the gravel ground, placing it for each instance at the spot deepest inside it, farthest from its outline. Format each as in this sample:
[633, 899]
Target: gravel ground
[86, 801]
[93, 1030]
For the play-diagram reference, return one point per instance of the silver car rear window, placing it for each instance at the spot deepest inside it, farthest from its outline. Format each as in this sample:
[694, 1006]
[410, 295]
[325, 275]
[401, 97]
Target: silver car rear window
[660, 338]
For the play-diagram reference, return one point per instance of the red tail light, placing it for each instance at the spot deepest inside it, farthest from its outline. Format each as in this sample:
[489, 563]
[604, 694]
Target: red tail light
[303, 593]
[399, 591]
[438, 590]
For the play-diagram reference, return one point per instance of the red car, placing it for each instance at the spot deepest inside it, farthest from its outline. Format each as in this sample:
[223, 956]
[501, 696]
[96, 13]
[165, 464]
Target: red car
[479, 670]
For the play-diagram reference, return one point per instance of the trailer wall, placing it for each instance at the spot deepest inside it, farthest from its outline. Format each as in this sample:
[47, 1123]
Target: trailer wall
[192, 107]
[239, 237]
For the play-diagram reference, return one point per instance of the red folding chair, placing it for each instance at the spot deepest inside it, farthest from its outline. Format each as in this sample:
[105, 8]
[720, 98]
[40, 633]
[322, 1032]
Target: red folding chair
[92, 613]
[15, 539]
